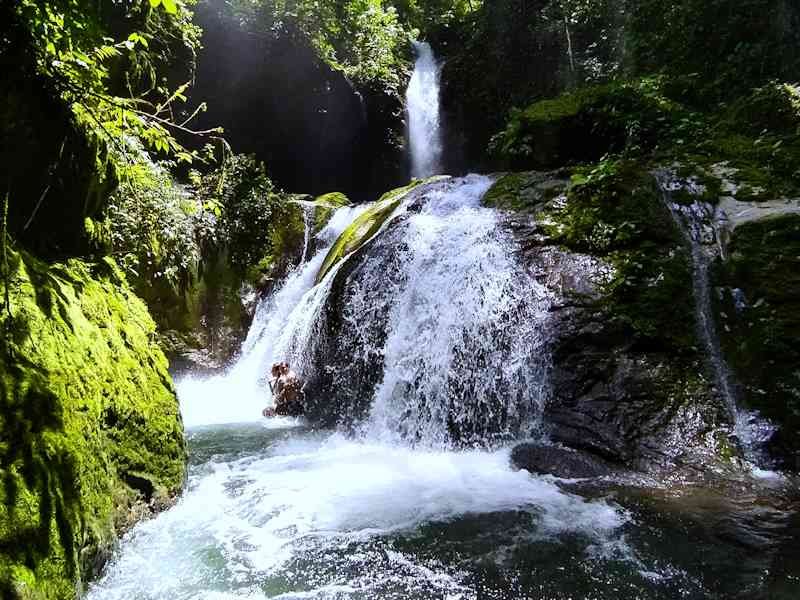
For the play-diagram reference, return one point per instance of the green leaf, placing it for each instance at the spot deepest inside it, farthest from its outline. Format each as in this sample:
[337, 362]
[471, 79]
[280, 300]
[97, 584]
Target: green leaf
[171, 6]
[155, 3]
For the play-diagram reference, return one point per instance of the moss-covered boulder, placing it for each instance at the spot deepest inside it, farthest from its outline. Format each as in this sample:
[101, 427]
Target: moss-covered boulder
[366, 225]
[582, 126]
[525, 191]
[90, 433]
[202, 325]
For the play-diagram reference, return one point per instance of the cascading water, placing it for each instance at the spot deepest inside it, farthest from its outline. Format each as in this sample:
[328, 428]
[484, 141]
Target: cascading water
[422, 105]
[465, 355]
[308, 225]
[274, 512]
[695, 221]
[457, 328]
[244, 384]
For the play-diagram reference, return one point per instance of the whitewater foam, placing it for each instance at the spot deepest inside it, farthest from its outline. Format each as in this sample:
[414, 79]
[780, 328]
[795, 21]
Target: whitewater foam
[249, 520]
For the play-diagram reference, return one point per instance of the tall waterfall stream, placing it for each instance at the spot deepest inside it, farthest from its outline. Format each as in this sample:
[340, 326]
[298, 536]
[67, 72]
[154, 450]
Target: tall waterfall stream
[424, 127]
[393, 508]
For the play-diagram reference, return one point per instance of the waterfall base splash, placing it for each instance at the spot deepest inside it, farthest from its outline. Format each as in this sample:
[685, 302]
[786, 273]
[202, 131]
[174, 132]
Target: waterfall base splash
[298, 515]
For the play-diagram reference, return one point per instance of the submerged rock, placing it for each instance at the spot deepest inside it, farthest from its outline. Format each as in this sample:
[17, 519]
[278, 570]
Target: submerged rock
[90, 432]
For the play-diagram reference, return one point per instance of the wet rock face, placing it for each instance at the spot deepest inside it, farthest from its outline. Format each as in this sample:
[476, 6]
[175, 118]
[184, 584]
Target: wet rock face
[613, 394]
[561, 462]
[627, 382]
[348, 348]
[758, 302]
[429, 329]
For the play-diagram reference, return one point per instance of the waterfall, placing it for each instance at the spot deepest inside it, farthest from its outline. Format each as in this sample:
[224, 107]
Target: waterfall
[465, 352]
[422, 102]
[439, 315]
[244, 384]
[695, 221]
[436, 308]
[309, 209]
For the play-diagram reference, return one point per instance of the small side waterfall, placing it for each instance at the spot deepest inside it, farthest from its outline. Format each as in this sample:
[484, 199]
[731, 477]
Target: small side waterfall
[422, 102]
[695, 221]
[308, 226]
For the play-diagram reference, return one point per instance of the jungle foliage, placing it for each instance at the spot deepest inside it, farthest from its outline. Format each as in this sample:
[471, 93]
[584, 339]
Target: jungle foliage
[108, 60]
[511, 53]
[363, 38]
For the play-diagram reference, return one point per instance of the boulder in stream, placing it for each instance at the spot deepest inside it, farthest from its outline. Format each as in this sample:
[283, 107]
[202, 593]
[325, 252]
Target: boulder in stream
[561, 462]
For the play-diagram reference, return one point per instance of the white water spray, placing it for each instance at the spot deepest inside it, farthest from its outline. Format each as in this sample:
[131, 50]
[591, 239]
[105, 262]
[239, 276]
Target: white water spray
[271, 515]
[310, 517]
[239, 394]
[422, 102]
[465, 354]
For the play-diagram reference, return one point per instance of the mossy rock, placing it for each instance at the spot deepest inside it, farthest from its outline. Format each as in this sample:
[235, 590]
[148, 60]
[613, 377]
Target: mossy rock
[326, 205]
[366, 225]
[89, 423]
[760, 336]
[774, 107]
[582, 126]
[525, 192]
[614, 211]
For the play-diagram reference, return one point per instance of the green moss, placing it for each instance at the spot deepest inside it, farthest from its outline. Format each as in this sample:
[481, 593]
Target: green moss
[89, 422]
[524, 192]
[757, 135]
[773, 107]
[366, 225]
[615, 211]
[326, 204]
[362, 229]
[583, 125]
